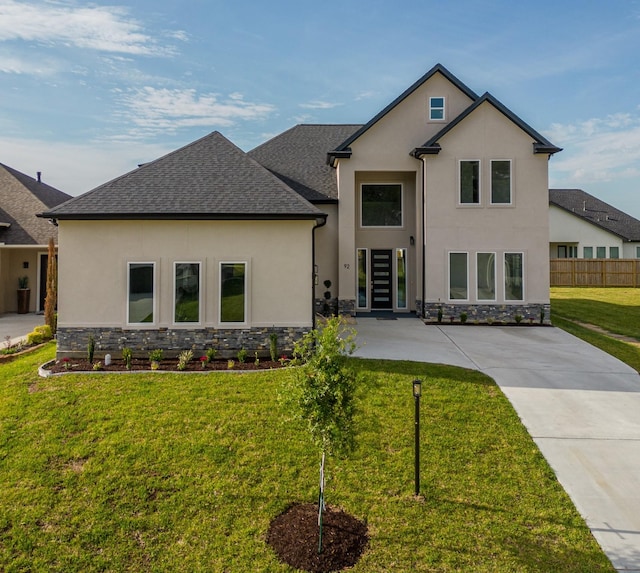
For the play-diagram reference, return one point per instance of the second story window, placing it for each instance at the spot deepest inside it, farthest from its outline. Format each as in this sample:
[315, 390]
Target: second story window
[436, 108]
[469, 182]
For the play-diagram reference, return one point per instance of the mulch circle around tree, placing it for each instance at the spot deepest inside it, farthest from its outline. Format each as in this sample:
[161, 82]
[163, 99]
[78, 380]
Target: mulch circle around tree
[294, 535]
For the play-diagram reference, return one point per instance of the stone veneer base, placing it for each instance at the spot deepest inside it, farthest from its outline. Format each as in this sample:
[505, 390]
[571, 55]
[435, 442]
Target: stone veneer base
[486, 313]
[73, 342]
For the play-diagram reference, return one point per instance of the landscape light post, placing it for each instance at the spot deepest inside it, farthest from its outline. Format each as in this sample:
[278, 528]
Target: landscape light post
[417, 392]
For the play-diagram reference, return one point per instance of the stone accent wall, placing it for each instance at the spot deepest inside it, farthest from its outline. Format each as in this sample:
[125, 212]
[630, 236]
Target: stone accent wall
[320, 307]
[347, 306]
[73, 342]
[486, 313]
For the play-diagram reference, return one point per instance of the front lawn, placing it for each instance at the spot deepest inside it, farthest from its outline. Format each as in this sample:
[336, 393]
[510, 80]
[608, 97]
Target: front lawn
[184, 472]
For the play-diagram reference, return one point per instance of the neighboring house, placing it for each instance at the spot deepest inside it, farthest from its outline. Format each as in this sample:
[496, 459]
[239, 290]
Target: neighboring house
[582, 226]
[24, 238]
[439, 202]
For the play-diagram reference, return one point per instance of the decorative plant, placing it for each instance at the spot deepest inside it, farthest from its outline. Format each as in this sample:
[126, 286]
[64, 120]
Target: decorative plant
[184, 358]
[127, 356]
[23, 282]
[273, 346]
[242, 355]
[155, 356]
[542, 316]
[463, 317]
[257, 360]
[211, 354]
[91, 347]
[283, 360]
[204, 361]
[97, 366]
[518, 318]
[51, 299]
[231, 364]
[67, 362]
[322, 393]
[327, 297]
[439, 314]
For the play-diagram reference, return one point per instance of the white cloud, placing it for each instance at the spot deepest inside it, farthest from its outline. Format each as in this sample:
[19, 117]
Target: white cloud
[317, 104]
[152, 110]
[17, 65]
[101, 28]
[596, 150]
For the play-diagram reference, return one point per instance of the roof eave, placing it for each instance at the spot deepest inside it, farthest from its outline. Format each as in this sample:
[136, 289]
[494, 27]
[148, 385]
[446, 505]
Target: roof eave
[418, 152]
[543, 148]
[183, 216]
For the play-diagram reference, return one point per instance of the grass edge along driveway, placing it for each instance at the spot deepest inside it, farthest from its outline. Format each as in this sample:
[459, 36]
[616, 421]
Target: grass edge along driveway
[183, 472]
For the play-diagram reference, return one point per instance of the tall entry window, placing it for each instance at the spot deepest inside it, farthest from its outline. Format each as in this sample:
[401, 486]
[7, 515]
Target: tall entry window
[381, 205]
[401, 278]
[233, 288]
[141, 293]
[458, 276]
[513, 276]
[363, 279]
[186, 292]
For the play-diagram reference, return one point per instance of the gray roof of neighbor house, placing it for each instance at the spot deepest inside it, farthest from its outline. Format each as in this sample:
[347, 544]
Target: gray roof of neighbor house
[597, 212]
[21, 199]
[210, 178]
[298, 157]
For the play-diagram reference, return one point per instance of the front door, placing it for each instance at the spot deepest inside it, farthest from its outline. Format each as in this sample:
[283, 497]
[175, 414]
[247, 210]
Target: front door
[381, 279]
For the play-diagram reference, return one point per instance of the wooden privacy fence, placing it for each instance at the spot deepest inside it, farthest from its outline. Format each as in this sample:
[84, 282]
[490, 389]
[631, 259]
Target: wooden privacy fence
[595, 272]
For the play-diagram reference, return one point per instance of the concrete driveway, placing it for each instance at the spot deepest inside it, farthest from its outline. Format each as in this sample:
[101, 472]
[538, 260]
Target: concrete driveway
[580, 405]
[17, 326]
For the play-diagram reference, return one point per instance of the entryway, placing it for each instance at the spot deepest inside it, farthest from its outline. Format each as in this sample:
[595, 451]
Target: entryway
[381, 279]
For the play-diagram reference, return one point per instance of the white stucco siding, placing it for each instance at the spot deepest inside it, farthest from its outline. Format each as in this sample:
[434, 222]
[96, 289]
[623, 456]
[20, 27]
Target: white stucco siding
[94, 257]
[522, 226]
[568, 229]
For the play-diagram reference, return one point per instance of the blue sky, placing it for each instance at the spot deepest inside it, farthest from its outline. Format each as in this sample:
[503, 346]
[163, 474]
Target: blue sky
[89, 90]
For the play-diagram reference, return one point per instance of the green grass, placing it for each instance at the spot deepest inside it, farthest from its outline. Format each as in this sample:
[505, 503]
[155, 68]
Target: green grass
[616, 310]
[183, 472]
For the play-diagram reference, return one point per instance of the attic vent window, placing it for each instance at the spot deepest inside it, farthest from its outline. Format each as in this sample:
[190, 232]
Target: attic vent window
[436, 108]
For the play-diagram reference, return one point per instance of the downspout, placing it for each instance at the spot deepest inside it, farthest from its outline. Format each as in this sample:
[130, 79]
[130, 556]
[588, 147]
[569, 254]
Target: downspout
[424, 236]
[319, 223]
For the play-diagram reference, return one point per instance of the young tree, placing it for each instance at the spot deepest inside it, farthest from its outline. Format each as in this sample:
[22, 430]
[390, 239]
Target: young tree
[51, 298]
[322, 393]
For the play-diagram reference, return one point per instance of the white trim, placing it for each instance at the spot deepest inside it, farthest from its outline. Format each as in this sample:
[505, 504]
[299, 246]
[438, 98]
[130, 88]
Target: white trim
[381, 183]
[433, 108]
[504, 276]
[449, 253]
[495, 283]
[510, 203]
[200, 309]
[459, 198]
[367, 279]
[246, 292]
[154, 295]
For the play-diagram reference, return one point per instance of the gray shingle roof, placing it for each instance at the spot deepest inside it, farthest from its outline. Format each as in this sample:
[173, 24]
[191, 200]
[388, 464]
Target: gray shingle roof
[298, 157]
[210, 178]
[21, 199]
[597, 212]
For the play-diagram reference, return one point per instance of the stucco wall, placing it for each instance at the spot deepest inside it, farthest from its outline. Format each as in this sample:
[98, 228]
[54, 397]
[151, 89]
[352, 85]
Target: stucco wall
[94, 255]
[522, 226]
[12, 261]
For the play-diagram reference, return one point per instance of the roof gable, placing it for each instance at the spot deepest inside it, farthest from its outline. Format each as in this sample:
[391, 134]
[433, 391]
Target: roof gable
[540, 143]
[210, 178]
[597, 212]
[21, 199]
[343, 150]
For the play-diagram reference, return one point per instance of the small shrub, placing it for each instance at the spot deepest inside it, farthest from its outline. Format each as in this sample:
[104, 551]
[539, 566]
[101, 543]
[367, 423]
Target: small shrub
[257, 360]
[463, 317]
[34, 338]
[440, 314]
[230, 364]
[542, 316]
[45, 331]
[518, 318]
[273, 346]
[184, 358]
[127, 356]
[211, 354]
[91, 347]
[242, 355]
[97, 366]
[156, 355]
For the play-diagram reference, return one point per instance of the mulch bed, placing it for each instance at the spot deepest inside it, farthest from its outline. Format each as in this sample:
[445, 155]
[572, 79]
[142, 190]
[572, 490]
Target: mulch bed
[166, 365]
[294, 536]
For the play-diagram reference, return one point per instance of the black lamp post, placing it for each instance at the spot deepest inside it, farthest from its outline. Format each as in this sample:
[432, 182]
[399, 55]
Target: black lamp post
[417, 392]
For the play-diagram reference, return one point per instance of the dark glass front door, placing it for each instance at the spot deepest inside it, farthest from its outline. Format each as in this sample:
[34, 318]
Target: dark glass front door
[381, 279]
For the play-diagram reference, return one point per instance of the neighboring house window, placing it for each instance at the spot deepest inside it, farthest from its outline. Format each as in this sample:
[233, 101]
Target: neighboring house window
[401, 278]
[587, 252]
[363, 279]
[614, 252]
[562, 251]
[381, 205]
[513, 276]
[567, 252]
[470, 182]
[186, 291]
[501, 182]
[486, 276]
[638, 252]
[458, 276]
[601, 252]
[436, 108]
[141, 293]
[233, 290]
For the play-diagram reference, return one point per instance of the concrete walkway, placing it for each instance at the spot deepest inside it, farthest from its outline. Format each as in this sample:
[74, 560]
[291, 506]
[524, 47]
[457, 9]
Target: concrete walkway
[580, 405]
[17, 326]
